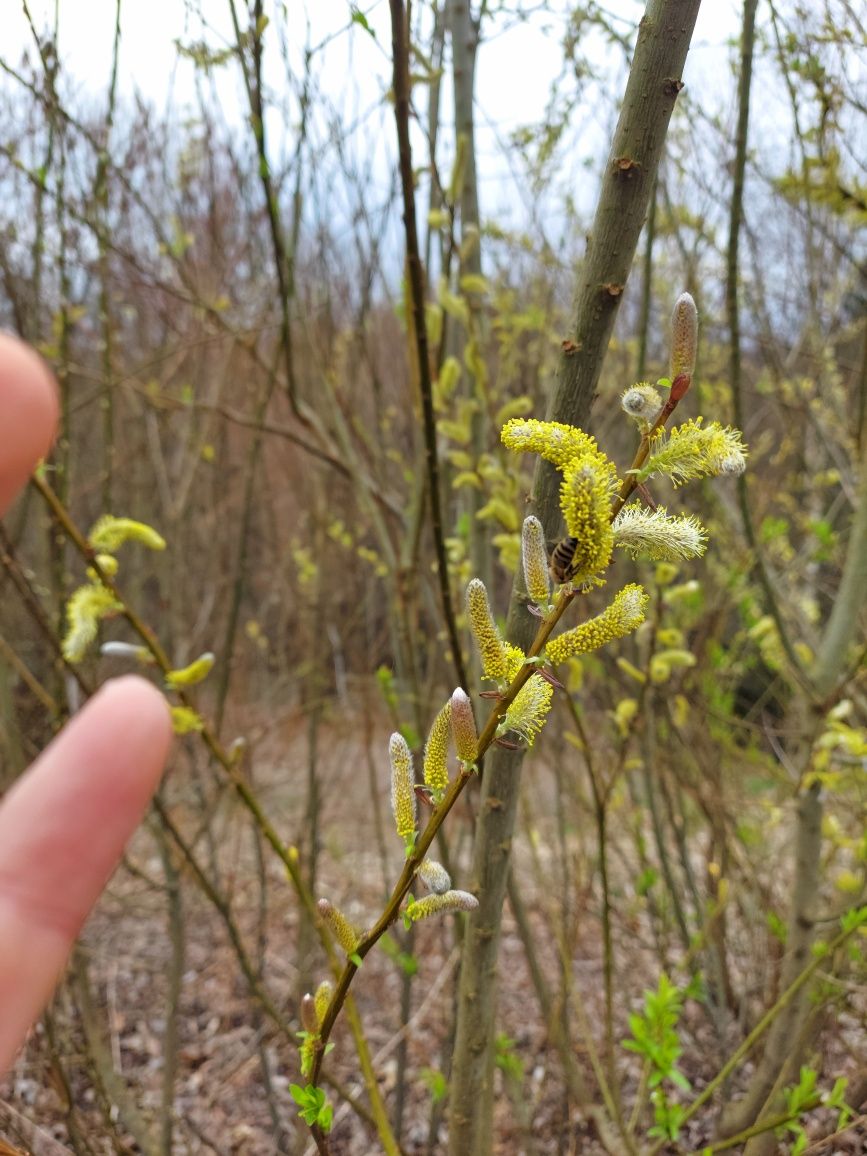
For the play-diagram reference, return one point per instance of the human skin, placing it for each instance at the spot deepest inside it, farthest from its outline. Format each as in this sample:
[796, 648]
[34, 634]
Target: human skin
[64, 823]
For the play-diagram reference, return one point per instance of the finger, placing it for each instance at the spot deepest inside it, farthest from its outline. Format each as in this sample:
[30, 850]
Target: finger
[63, 827]
[28, 414]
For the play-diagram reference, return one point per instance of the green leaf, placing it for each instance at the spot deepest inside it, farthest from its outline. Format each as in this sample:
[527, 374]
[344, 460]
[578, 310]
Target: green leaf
[361, 20]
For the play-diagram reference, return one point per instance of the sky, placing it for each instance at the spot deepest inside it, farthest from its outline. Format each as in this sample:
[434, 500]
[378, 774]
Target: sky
[517, 67]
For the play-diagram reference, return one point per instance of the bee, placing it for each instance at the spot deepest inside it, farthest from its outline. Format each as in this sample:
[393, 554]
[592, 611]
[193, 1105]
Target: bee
[561, 565]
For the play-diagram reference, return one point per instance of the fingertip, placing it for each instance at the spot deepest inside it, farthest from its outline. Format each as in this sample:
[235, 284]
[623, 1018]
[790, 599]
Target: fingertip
[131, 698]
[28, 413]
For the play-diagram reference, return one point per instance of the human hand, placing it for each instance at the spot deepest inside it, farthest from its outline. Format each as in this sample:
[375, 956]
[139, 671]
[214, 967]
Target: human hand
[64, 823]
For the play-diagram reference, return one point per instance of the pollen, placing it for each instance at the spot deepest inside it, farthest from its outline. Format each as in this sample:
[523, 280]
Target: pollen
[585, 499]
[552, 440]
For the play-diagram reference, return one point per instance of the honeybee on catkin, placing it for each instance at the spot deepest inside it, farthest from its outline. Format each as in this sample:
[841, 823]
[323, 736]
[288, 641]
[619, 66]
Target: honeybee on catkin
[561, 566]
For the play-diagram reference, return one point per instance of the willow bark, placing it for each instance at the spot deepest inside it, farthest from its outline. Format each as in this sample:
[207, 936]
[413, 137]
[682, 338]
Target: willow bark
[651, 91]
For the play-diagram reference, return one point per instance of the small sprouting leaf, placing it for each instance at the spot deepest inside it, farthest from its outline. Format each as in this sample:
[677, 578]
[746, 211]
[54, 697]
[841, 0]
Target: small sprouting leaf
[361, 20]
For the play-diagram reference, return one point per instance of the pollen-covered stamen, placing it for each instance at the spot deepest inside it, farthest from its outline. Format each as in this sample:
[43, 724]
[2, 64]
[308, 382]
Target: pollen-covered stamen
[464, 727]
[684, 336]
[624, 615]
[436, 772]
[528, 711]
[485, 631]
[534, 557]
[346, 935]
[435, 904]
[402, 784]
[434, 876]
[694, 450]
[656, 535]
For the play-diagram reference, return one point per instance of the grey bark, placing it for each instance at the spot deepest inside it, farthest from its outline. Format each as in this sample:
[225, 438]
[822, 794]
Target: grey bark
[651, 92]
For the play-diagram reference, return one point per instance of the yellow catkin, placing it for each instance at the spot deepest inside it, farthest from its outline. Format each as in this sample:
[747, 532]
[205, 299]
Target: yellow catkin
[534, 557]
[435, 904]
[402, 786]
[658, 535]
[694, 450]
[585, 499]
[110, 533]
[624, 615]
[464, 733]
[346, 935]
[552, 440]
[190, 675]
[322, 999]
[436, 750]
[485, 631]
[86, 608]
[185, 721]
[684, 336]
[527, 713]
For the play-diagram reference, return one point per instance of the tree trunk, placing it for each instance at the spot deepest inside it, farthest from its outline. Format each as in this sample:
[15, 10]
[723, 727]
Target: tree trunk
[651, 91]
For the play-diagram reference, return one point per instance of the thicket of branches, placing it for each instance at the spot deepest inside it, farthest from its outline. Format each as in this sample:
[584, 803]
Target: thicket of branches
[234, 320]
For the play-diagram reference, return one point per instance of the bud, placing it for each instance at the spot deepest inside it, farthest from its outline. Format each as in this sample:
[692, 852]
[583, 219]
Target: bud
[684, 336]
[535, 559]
[309, 1019]
[434, 876]
[346, 935]
[402, 786]
[125, 650]
[436, 772]
[464, 727]
[641, 402]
